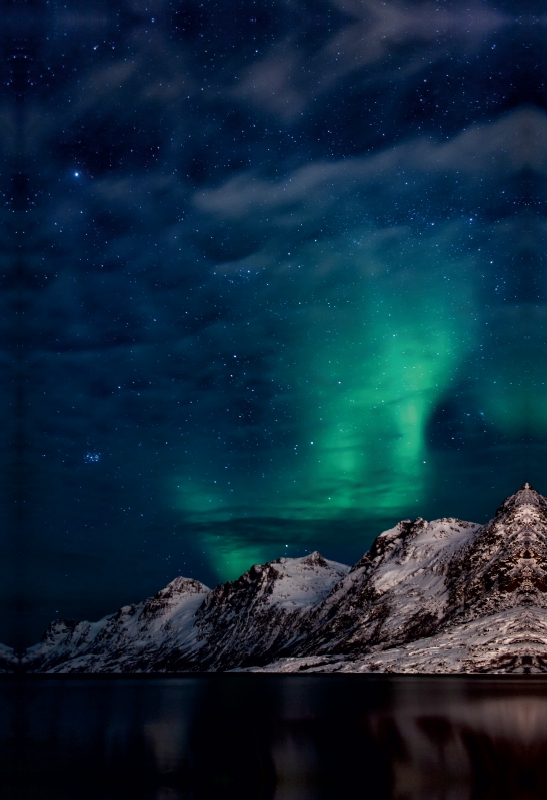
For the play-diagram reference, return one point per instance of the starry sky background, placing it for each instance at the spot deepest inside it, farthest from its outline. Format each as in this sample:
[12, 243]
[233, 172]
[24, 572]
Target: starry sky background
[272, 279]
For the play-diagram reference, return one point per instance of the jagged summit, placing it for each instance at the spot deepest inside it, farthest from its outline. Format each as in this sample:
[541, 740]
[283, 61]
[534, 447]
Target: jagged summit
[526, 495]
[429, 596]
[314, 558]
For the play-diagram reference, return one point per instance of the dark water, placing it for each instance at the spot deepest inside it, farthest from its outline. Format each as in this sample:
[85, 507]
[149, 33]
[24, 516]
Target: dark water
[279, 737]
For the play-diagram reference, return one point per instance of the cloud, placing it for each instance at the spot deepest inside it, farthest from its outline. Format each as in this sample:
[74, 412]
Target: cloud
[514, 142]
[289, 76]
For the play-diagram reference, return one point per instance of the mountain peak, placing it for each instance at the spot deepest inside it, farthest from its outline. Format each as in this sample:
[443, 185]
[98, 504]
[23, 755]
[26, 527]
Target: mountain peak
[314, 559]
[525, 496]
[181, 585]
[438, 596]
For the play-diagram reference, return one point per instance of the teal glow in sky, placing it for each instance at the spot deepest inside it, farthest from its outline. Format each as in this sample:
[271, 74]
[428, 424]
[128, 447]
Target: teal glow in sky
[283, 284]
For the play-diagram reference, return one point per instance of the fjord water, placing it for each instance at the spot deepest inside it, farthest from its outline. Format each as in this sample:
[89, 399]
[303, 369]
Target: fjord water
[285, 737]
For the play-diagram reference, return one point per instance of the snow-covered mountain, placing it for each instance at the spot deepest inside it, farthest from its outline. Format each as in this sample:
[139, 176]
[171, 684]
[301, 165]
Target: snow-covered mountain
[474, 602]
[187, 627]
[128, 641]
[441, 596]
[8, 659]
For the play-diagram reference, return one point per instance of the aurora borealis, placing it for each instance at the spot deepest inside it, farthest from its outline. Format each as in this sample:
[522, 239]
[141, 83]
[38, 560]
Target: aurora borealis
[273, 279]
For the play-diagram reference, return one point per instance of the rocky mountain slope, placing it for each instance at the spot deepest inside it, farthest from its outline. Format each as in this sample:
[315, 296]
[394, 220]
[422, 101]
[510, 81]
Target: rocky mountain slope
[8, 659]
[187, 627]
[441, 596]
[479, 604]
[128, 641]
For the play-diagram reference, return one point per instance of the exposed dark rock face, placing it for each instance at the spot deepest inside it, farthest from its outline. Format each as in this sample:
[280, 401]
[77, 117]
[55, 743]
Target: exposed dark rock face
[478, 604]
[441, 596]
[506, 564]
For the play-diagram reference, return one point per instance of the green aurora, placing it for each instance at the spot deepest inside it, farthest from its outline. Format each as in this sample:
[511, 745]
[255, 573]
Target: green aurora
[382, 337]
[283, 282]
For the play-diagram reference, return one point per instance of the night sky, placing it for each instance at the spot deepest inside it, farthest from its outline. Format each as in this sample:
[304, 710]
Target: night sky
[273, 278]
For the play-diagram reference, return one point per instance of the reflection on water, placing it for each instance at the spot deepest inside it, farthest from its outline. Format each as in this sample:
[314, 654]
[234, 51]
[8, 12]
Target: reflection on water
[465, 740]
[274, 737]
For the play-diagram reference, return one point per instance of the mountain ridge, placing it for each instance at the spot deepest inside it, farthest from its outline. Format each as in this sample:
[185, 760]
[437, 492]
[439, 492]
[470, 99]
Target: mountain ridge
[439, 596]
